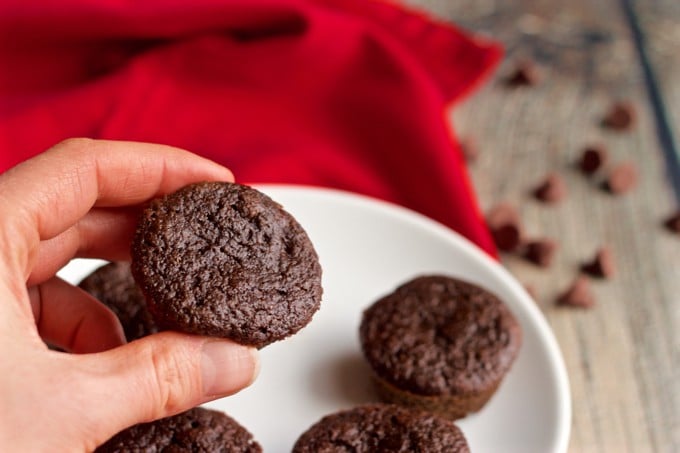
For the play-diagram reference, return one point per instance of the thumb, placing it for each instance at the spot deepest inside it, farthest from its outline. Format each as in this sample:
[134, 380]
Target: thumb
[162, 375]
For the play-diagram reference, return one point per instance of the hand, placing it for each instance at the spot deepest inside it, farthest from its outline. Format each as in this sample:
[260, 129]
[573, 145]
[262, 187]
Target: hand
[80, 198]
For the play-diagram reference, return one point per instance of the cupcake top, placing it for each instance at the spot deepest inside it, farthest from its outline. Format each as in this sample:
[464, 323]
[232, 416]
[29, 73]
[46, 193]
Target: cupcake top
[382, 428]
[197, 430]
[222, 259]
[113, 285]
[437, 335]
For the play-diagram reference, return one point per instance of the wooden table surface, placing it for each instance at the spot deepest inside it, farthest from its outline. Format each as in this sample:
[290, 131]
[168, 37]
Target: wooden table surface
[623, 355]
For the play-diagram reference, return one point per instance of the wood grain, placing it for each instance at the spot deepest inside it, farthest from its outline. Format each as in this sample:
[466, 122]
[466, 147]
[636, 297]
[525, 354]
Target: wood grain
[657, 37]
[623, 356]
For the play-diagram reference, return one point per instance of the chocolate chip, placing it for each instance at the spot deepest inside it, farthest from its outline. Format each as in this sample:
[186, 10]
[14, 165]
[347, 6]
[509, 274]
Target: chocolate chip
[526, 73]
[503, 222]
[470, 150]
[621, 178]
[578, 294]
[673, 223]
[552, 189]
[602, 265]
[507, 237]
[592, 159]
[620, 117]
[541, 252]
[531, 291]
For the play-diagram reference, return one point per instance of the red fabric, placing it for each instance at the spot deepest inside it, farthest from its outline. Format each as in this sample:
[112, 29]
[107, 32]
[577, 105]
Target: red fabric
[348, 94]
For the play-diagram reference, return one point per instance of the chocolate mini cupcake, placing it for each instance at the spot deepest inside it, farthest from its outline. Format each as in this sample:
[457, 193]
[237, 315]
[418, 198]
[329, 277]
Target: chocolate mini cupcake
[225, 260]
[439, 344]
[382, 428]
[113, 285]
[197, 430]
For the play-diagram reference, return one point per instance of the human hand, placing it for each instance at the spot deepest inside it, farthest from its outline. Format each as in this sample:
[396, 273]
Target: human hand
[81, 198]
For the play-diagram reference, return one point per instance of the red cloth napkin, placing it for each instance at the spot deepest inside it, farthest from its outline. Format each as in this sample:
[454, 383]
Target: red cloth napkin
[348, 94]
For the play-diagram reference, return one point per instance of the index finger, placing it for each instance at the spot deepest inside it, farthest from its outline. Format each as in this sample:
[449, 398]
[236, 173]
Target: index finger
[44, 196]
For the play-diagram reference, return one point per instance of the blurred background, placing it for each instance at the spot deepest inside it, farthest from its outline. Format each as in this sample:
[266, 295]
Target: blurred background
[623, 354]
[576, 75]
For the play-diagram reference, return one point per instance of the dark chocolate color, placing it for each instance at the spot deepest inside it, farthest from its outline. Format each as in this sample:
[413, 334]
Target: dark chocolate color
[225, 260]
[620, 116]
[113, 285]
[592, 159]
[602, 264]
[578, 294]
[382, 428]
[526, 73]
[503, 222]
[541, 252]
[552, 189]
[437, 335]
[673, 223]
[197, 430]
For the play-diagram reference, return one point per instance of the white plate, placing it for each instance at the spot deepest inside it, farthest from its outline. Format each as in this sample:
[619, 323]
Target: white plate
[367, 248]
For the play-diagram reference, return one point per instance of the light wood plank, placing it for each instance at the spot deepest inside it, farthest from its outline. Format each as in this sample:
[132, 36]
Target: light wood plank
[623, 355]
[659, 26]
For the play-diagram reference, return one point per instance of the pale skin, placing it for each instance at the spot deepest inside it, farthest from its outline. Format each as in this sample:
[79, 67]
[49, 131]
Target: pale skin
[81, 198]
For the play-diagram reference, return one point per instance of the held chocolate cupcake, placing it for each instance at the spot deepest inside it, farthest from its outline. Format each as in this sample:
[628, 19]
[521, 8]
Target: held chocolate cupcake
[113, 285]
[225, 260]
[197, 430]
[439, 344]
[384, 428]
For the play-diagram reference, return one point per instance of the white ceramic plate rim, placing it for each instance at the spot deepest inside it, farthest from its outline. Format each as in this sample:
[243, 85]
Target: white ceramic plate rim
[472, 252]
[521, 301]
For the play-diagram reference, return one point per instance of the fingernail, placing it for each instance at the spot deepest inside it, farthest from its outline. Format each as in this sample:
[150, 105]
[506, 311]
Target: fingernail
[227, 367]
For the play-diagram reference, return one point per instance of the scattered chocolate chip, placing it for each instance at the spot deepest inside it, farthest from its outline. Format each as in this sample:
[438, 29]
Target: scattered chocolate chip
[531, 291]
[602, 265]
[621, 178]
[470, 150]
[541, 252]
[673, 223]
[620, 117]
[578, 294]
[526, 73]
[552, 189]
[592, 159]
[503, 222]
